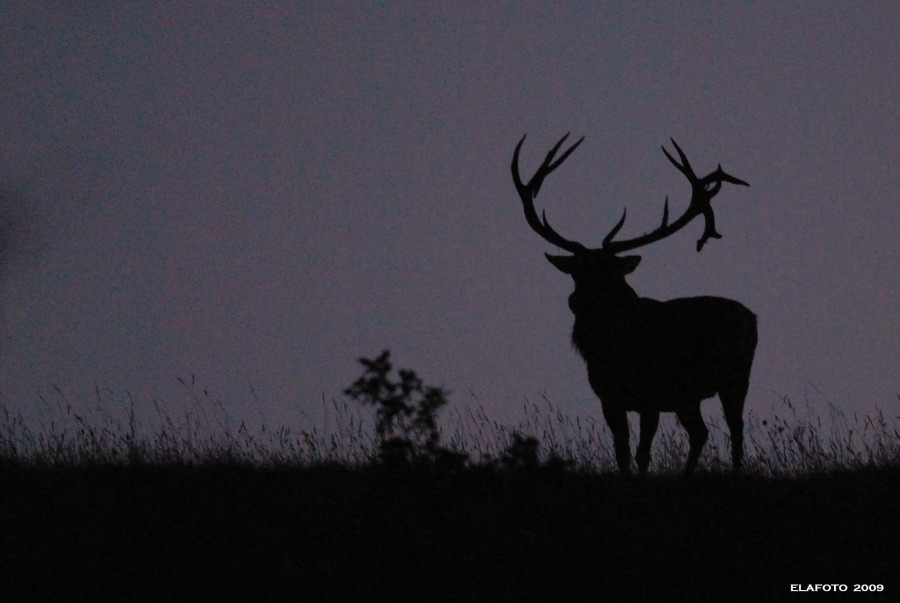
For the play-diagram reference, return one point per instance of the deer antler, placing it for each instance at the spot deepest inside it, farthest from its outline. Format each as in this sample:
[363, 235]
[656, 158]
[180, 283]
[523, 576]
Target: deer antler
[527, 192]
[702, 192]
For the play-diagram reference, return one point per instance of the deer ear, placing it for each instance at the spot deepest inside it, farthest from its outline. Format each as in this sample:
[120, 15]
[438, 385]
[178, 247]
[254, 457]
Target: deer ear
[628, 263]
[563, 263]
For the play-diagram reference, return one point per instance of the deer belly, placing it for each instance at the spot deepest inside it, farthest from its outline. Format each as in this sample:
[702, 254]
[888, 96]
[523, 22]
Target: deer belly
[640, 386]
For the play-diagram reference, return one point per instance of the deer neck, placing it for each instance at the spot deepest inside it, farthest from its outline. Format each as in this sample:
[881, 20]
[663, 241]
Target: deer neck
[586, 303]
[600, 319]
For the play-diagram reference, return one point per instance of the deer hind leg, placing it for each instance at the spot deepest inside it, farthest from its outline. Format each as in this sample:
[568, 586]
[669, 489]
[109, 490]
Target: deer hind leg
[733, 408]
[649, 423]
[618, 425]
[693, 423]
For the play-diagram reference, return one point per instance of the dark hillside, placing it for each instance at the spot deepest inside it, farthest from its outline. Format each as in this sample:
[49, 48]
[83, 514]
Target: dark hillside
[234, 533]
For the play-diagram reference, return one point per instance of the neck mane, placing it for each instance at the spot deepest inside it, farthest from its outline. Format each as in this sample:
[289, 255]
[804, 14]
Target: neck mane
[600, 318]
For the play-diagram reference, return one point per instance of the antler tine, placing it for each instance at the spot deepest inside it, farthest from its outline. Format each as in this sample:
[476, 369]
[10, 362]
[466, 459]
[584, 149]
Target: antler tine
[721, 176]
[552, 166]
[515, 165]
[709, 227]
[608, 239]
[685, 166]
[615, 229]
[528, 192]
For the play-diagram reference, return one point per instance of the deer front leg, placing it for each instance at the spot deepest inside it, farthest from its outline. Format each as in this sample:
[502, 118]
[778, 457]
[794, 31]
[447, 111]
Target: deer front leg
[649, 423]
[618, 425]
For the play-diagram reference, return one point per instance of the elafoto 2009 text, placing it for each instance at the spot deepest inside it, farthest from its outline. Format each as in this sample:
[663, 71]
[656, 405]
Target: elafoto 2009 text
[836, 588]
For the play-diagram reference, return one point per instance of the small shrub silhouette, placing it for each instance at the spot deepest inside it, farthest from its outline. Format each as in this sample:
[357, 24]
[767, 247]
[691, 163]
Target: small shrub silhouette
[522, 453]
[405, 414]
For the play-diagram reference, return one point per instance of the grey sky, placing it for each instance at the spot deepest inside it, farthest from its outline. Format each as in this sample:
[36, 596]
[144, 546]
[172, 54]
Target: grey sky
[260, 194]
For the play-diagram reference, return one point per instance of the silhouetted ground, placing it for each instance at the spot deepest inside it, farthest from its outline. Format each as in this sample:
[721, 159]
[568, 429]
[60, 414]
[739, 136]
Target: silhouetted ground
[236, 533]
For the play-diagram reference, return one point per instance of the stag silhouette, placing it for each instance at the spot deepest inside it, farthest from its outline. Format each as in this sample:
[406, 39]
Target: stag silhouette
[645, 355]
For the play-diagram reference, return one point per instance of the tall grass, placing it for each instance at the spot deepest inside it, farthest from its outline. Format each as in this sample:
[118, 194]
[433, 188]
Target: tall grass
[796, 441]
[203, 433]
[788, 440]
